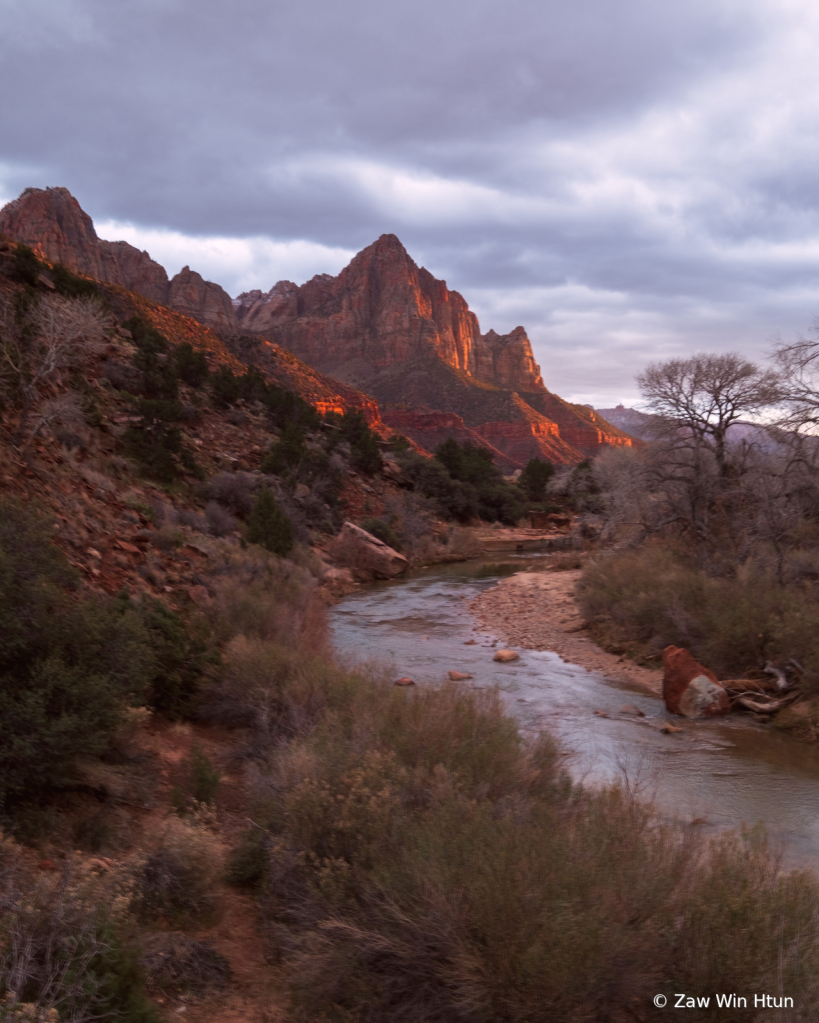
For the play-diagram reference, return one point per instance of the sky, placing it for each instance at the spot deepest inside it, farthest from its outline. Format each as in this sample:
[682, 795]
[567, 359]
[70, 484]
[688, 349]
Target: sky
[630, 181]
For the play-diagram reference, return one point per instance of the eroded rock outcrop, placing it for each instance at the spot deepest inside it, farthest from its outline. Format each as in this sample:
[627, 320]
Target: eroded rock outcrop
[52, 222]
[689, 689]
[191, 294]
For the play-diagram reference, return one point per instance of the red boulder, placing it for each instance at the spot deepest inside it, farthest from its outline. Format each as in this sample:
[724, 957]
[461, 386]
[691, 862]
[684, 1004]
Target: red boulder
[689, 689]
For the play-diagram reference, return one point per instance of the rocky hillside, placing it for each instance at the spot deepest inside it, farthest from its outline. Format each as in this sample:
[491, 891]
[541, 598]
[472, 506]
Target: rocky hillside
[383, 326]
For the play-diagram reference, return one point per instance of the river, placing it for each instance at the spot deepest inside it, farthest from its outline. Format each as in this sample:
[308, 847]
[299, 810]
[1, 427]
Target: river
[720, 773]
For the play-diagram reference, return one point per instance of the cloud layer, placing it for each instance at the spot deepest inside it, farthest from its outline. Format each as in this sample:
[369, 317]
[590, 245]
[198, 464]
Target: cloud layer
[629, 181]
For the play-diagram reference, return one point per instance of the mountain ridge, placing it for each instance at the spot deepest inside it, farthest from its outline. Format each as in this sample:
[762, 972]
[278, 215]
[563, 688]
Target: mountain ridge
[383, 326]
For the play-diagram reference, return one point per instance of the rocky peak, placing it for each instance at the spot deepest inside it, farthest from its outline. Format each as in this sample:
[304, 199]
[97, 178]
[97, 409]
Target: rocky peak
[191, 294]
[51, 221]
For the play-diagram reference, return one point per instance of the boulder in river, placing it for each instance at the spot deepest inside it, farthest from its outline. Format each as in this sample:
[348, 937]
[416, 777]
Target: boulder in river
[458, 676]
[505, 655]
[689, 689]
[405, 681]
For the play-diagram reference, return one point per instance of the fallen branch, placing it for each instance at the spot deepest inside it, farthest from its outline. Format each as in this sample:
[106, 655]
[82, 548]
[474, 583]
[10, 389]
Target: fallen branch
[769, 706]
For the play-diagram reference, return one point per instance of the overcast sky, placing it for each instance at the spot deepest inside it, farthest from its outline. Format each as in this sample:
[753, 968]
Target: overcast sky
[628, 180]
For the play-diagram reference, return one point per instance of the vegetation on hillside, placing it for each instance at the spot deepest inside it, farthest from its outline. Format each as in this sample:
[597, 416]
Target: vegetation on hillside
[464, 484]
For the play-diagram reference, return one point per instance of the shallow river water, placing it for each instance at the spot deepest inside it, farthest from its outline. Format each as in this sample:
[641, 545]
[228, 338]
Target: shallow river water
[722, 772]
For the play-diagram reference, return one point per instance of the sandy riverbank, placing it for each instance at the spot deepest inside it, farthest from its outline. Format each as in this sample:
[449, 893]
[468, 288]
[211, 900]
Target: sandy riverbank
[538, 610]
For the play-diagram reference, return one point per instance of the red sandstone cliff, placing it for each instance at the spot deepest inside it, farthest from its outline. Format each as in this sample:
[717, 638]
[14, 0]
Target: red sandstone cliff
[389, 327]
[52, 221]
[383, 309]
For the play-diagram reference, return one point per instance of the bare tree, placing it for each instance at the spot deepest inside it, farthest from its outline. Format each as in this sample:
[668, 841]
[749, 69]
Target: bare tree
[798, 365]
[705, 394]
[55, 334]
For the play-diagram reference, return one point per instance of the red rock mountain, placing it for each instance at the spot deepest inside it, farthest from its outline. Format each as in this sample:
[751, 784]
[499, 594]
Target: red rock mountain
[389, 327]
[383, 325]
[51, 221]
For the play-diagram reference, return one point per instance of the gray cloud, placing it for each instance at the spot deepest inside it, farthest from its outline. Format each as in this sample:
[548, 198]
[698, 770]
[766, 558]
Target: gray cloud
[623, 179]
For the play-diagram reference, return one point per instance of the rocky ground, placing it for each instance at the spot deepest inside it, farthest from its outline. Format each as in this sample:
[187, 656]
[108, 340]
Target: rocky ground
[538, 610]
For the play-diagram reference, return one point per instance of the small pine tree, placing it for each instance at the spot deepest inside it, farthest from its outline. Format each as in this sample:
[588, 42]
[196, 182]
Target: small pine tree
[534, 478]
[268, 525]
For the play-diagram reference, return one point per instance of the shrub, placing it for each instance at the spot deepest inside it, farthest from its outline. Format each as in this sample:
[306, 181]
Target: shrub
[224, 387]
[68, 666]
[655, 596]
[25, 266]
[383, 532]
[220, 522]
[204, 777]
[67, 955]
[181, 651]
[234, 491]
[268, 525]
[287, 453]
[159, 380]
[415, 835]
[535, 477]
[156, 441]
[176, 880]
[191, 366]
[70, 285]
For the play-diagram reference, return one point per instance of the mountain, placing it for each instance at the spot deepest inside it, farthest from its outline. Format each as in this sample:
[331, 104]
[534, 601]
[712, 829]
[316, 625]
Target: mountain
[638, 424]
[383, 325]
[54, 224]
[390, 328]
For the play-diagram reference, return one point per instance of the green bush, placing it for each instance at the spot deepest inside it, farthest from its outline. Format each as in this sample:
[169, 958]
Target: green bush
[69, 667]
[26, 267]
[191, 366]
[70, 285]
[535, 477]
[268, 526]
[365, 454]
[156, 441]
[464, 483]
[205, 777]
[181, 651]
[159, 379]
[383, 532]
[287, 453]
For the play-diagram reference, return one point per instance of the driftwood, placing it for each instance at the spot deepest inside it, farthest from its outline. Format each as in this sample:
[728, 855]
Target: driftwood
[749, 685]
[766, 706]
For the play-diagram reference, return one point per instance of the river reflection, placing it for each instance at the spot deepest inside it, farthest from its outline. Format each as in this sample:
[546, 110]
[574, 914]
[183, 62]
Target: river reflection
[722, 772]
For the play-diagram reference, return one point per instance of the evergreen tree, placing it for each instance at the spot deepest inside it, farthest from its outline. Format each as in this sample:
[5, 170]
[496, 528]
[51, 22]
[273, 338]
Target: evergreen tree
[268, 525]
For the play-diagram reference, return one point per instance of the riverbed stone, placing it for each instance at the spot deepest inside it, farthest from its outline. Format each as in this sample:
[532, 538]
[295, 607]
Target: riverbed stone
[689, 689]
[458, 676]
[504, 656]
[405, 681]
